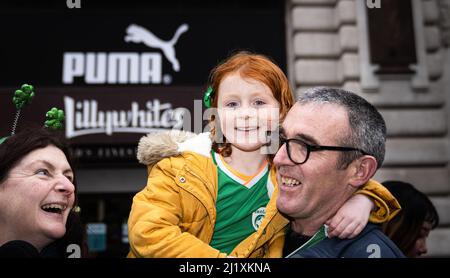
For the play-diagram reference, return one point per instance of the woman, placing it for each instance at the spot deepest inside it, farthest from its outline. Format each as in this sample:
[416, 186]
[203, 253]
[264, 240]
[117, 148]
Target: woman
[410, 228]
[37, 194]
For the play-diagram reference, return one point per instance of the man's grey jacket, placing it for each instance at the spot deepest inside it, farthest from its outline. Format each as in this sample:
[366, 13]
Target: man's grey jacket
[370, 243]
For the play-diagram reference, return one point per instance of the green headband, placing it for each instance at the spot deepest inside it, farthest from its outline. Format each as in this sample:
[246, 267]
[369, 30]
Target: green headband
[54, 118]
[23, 97]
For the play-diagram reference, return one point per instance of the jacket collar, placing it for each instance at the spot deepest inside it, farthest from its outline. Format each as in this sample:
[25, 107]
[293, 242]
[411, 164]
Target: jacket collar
[156, 146]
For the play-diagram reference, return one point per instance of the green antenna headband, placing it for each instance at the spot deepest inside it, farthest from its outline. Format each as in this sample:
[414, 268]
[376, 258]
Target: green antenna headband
[54, 118]
[22, 98]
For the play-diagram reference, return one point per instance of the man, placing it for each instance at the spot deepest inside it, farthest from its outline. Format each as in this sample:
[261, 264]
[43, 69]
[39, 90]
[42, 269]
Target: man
[333, 142]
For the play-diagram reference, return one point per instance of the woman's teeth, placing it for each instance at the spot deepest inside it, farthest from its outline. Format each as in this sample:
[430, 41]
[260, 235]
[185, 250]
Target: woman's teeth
[54, 208]
[290, 181]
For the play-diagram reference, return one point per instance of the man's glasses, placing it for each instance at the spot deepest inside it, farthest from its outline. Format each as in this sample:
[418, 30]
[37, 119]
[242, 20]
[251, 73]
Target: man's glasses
[298, 150]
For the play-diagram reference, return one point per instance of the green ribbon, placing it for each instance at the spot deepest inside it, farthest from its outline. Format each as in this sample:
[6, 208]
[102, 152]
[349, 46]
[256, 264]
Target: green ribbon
[207, 98]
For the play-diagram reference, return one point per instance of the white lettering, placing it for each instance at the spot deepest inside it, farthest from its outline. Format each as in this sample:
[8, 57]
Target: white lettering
[83, 117]
[123, 68]
[95, 68]
[73, 66]
[112, 68]
[196, 268]
[151, 68]
[73, 4]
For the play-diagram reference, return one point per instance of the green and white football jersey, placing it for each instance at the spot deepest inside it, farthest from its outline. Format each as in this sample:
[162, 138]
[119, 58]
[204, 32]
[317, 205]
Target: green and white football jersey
[241, 204]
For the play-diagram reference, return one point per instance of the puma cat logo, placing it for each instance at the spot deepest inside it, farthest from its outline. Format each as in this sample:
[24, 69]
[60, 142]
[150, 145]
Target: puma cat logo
[138, 34]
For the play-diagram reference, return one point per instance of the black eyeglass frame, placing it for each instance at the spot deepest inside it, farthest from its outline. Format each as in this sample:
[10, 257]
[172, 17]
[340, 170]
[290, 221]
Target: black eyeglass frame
[314, 148]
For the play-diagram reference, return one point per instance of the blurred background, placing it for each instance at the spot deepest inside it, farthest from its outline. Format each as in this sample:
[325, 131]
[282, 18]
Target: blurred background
[121, 69]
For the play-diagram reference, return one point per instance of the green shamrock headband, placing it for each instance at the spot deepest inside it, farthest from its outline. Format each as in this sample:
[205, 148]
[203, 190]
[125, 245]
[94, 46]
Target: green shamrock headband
[23, 97]
[208, 97]
[54, 118]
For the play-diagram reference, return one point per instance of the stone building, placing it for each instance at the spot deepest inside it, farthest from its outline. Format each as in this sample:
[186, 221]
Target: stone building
[329, 44]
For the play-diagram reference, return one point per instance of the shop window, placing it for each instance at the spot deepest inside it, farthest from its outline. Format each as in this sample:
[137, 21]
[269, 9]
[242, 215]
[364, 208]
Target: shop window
[392, 42]
[391, 37]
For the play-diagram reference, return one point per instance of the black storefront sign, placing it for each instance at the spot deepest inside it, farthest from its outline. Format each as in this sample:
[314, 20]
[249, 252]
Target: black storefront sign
[122, 69]
[105, 124]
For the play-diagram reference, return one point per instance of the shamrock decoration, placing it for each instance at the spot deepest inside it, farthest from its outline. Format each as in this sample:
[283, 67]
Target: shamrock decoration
[207, 98]
[55, 118]
[23, 96]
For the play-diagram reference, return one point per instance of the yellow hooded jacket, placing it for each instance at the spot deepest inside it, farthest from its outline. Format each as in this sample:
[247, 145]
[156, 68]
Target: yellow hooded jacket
[175, 214]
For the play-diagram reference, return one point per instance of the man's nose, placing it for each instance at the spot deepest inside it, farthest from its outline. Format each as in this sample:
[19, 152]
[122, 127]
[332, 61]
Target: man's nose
[281, 157]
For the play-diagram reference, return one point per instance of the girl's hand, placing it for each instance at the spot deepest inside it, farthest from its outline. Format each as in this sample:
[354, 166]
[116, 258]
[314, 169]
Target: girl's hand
[351, 218]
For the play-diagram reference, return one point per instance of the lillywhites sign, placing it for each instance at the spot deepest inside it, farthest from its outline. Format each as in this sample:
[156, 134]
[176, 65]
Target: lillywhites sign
[125, 67]
[83, 117]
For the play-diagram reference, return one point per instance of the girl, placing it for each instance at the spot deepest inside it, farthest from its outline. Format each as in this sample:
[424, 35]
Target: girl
[214, 199]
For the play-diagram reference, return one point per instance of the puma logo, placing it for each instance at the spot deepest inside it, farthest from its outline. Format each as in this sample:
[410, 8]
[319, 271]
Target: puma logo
[138, 34]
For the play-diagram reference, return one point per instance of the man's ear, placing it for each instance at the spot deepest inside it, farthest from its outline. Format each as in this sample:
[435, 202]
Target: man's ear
[363, 169]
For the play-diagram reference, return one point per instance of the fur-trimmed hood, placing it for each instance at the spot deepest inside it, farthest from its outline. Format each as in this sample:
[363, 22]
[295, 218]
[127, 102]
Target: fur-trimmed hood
[155, 146]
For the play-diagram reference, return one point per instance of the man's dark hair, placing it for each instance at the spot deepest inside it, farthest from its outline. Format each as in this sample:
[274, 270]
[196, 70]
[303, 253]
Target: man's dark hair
[368, 129]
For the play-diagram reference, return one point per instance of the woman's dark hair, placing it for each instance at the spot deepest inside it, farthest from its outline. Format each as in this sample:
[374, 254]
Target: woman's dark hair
[404, 228]
[20, 144]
